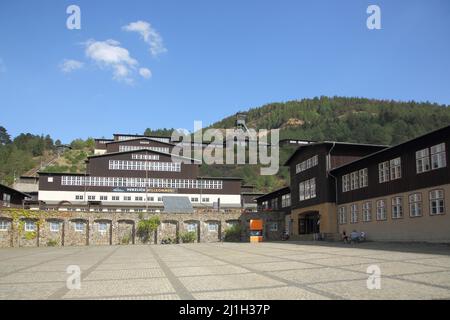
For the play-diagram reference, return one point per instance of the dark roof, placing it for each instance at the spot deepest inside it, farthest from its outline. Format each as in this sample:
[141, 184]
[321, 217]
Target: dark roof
[138, 135]
[140, 150]
[277, 192]
[220, 178]
[141, 138]
[60, 173]
[331, 143]
[437, 132]
[14, 190]
[177, 204]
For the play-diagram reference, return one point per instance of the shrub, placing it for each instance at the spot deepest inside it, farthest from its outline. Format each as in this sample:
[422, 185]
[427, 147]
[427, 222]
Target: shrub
[125, 239]
[233, 233]
[146, 228]
[168, 240]
[188, 237]
[52, 243]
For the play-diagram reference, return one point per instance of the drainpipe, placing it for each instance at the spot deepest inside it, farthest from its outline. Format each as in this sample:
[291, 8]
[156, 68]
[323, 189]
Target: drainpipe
[335, 184]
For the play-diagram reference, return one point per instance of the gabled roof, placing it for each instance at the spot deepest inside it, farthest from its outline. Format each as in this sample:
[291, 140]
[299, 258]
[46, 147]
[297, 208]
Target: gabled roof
[376, 147]
[281, 191]
[435, 132]
[139, 151]
[141, 138]
[15, 191]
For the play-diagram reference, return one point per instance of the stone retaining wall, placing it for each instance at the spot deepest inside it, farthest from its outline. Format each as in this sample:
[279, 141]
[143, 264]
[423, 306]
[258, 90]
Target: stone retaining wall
[103, 228]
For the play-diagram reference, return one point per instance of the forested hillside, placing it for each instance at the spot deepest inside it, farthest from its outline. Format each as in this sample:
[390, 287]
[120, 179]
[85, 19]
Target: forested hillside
[337, 118]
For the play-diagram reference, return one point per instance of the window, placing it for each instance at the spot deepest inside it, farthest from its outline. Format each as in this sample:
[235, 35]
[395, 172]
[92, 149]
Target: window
[151, 199]
[6, 199]
[363, 178]
[213, 227]
[354, 182]
[437, 202]
[342, 216]
[422, 161]
[194, 199]
[79, 197]
[285, 200]
[50, 179]
[138, 198]
[79, 226]
[381, 210]
[102, 227]
[438, 159]
[273, 226]
[396, 168]
[307, 189]
[307, 164]
[367, 211]
[4, 225]
[274, 204]
[30, 226]
[54, 226]
[354, 213]
[205, 199]
[191, 227]
[383, 172]
[104, 198]
[345, 183]
[160, 199]
[126, 198]
[415, 205]
[115, 198]
[91, 197]
[397, 210]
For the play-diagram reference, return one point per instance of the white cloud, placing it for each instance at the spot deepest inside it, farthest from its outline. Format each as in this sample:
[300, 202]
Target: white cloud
[109, 54]
[69, 65]
[149, 35]
[145, 73]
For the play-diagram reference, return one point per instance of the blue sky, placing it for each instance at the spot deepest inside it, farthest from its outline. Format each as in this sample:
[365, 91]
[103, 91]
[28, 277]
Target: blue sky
[213, 58]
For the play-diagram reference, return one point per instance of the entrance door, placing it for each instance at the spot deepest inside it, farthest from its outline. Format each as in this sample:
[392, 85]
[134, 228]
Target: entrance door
[308, 223]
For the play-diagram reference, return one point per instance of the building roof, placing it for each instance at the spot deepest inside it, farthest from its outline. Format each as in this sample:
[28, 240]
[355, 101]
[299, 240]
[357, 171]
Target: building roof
[141, 150]
[141, 138]
[2, 186]
[331, 143]
[177, 204]
[281, 191]
[435, 132]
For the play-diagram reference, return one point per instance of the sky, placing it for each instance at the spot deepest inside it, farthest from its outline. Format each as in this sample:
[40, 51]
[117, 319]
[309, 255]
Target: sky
[153, 64]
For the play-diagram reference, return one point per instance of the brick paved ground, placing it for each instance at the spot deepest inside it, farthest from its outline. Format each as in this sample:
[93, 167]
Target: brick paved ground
[285, 270]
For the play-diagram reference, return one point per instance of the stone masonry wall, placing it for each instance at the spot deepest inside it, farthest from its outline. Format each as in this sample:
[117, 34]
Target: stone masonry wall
[57, 228]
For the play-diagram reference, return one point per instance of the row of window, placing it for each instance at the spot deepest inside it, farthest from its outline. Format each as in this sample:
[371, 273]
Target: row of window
[140, 156]
[134, 148]
[129, 198]
[431, 158]
[355, 180]
[124, 138]
[390, 170]
[415, 204]
[307, 189]
[426, 159]
[80, 226]
[144, 165]
[307, 164]
[285, 202]
[140, 182]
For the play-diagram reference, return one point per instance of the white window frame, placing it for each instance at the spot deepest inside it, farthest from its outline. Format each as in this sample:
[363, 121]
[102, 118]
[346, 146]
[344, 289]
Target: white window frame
[415, 204]
[363, 178]
[29, 223]
[4, 225]
[383, 172]
[381, 210]
[397, 207]
[342, 215]
[52, 226]
[354, 213]
[367, 211]
[438, 156]
[191, 227]
[102, 227]
[395, 167]
[77, 225]
[437, 200]
[213, 227]
[423, 160]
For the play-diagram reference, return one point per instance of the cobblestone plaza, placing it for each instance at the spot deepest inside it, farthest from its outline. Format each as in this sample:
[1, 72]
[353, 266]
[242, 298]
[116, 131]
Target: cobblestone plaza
[277, 270]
